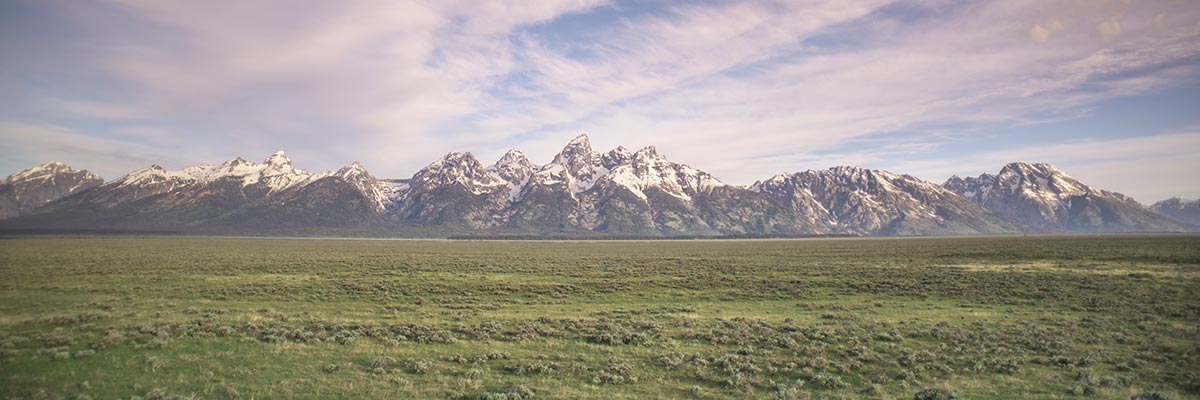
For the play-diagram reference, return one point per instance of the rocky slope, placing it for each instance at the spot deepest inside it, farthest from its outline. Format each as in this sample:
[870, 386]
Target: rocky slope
[1186, 211]
[27, 190]
[582, 190]
[874, 202]
[1047, 198]
[237, 194]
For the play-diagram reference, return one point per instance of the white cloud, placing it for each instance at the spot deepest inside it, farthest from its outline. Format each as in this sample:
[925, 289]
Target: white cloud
[743, 89]
[969, 66]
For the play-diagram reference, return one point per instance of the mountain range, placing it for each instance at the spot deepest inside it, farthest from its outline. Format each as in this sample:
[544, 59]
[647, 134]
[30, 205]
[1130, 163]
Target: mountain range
[580, 192]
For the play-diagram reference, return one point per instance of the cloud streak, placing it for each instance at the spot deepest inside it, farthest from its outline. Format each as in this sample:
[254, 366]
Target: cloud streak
[744, 89]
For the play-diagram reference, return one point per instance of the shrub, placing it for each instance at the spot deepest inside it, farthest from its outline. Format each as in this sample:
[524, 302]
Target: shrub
[933, 394]
[671, 360]
[533, 368]
[382, 362]
[420, 366]
[111, 338]
[518, 393]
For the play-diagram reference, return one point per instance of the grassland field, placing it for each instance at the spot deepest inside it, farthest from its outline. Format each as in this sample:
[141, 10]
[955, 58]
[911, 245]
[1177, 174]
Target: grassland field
[1063, 317]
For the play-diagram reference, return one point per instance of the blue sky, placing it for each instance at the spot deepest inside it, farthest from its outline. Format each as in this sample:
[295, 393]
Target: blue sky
[1107, 90]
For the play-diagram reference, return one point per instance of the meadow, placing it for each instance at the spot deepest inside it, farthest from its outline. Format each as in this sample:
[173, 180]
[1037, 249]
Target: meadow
[1087, 317]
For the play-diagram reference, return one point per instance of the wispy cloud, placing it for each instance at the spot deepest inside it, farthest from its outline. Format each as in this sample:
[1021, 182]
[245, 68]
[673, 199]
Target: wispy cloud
[744, 89]
[32, 144]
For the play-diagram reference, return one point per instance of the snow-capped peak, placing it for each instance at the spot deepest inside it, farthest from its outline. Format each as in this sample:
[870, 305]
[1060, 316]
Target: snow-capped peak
[457, 168]
[276, 172]
[647, 169]
[47, 170]
[381, 193]
[512, 158]
[582, 139]
[615, 157]
[577, 152]
[355, 169]
[515, 169]
[577, 165]
[646, 152]
[278, 158]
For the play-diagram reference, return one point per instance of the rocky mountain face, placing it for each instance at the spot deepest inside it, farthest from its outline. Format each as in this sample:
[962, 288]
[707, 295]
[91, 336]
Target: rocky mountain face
[27, 190]
[1047, 198]
[1186, 211]
[580, 191]
[873, 202]
[237, 194]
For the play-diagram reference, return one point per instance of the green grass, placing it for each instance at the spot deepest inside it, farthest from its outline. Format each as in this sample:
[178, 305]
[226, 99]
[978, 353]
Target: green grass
[1103, 317]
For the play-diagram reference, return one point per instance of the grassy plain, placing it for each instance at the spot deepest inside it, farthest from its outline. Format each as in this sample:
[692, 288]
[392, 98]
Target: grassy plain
[1104, 317]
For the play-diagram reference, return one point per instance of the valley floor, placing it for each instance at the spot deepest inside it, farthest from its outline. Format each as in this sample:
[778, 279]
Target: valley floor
[1096, 317]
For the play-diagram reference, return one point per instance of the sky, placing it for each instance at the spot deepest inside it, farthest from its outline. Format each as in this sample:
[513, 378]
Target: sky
[1108, 91]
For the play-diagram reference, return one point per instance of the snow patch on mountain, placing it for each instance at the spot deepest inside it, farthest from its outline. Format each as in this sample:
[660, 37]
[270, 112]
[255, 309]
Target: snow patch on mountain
[276, 173]
[647, 169]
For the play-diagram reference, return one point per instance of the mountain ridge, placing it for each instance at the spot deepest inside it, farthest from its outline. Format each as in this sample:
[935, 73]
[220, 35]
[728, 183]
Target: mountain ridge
[1043, 196]
[1182, 210]
[583, 191]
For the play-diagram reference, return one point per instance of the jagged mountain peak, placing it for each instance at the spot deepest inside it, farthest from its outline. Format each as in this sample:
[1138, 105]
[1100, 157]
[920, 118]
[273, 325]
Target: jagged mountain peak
[152, 173]
[615, 157]
[646, 152]
[25, 191]
[355, 169]
[1178, 202]
[576, 154]
[48, 170]
[461, 168]
[514, 168]
[1044, 196]
[236, 162]
[868, 201]
[581, 140]
[457, 157]
[513, 157]
[276, 173]
[278, 158]
[1179, 209]
[1028, 167]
